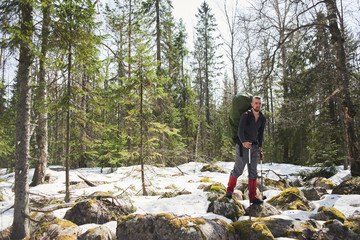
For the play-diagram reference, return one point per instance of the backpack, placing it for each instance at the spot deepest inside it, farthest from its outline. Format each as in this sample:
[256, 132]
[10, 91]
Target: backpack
[241, 102]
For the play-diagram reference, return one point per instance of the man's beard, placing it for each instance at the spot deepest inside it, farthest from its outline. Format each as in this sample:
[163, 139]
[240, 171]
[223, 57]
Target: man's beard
[256, 110]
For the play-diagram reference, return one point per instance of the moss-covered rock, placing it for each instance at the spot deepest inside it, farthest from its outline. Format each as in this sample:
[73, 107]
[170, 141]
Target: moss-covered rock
[217, 188]
[354, 225]
[97, 233]
[95, 211]
[289, 228]
[212, 168]
[326, 214]
[261, 210]
[281, 184]
[167, 226]
[334, 229]
[56, 229]
[290, 199]
[351, 186]
[321, 182]
[252, 230]
[174, 194]
[1, 196]
[231, 209]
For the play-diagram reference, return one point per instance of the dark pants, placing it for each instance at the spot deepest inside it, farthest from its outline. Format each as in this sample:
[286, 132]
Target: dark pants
[240, 162]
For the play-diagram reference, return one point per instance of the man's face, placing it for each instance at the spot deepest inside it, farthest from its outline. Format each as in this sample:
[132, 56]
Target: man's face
[256, 104]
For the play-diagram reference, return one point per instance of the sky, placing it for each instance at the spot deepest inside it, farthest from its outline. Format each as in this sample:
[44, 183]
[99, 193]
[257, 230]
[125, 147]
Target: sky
[166, 179]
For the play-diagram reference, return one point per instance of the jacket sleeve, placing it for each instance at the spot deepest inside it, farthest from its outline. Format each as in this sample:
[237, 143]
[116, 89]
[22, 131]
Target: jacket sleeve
[261, 131]
[241, 129]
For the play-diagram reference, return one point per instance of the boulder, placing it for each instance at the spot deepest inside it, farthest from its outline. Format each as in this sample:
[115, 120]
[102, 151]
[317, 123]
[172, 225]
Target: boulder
[281, 184]
[55, 229]
[334, 229]
[351, 186]
[216, 188]
[298, 182]
[97, 233]
[231, 209]
[321, 182]
[261, 210]
[212, 168]
[289, 228]
[290, 199]
[166, 226]
[251, 230]
[94, 211]
[313, 194]
[325, 214]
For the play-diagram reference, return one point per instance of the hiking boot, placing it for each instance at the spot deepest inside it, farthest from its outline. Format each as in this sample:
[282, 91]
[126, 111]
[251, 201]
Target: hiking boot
[228, 195]
[257, 201]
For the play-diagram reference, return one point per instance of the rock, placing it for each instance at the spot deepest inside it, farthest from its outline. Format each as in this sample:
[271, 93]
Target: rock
[98, 233]
[326, 214]
[321, 182]
[212, 168]
[250, 230]
[281, 184]
[298, 182]
[216, 188]
[174, 194]
[231, 209]
[353, 224]
[94, 211]
[166, 226]
[290, 199]
[261, 210]
[334, 229]
[351, 186]
[312, 193]
[56, 229]
[289, 228]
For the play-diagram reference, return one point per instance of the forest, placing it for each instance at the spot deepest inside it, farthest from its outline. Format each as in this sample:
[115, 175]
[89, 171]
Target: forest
[89, 83]
[127, 89]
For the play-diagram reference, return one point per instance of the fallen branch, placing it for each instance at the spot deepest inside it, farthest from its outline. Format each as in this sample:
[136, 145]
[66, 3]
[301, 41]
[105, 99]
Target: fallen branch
[91, 184]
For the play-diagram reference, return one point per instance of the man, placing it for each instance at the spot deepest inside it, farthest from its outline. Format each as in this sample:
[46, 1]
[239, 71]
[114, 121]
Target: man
[250, 133]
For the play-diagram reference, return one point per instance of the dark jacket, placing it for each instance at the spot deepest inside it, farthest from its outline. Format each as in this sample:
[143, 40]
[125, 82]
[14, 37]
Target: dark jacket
[249, 131]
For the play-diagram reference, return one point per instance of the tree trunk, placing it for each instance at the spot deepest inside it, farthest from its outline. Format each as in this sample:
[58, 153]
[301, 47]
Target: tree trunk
[42, 132]
[67, 157]
[158, 37]
[141, 141]
[343, 78]
[20, 228]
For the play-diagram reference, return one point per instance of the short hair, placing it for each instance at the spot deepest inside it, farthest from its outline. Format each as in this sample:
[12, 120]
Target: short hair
[257, 97]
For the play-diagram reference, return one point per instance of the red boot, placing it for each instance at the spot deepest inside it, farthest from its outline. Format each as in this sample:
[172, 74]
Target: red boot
[231, 187]
[252, 184]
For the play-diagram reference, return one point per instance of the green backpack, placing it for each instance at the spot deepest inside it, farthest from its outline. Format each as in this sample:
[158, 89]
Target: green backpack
[241, 102]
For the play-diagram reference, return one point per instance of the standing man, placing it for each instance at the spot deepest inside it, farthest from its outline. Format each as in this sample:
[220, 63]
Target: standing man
[251, 134]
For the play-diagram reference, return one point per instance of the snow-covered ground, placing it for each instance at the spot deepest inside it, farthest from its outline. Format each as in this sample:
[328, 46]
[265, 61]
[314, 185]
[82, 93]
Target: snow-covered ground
[126, 181]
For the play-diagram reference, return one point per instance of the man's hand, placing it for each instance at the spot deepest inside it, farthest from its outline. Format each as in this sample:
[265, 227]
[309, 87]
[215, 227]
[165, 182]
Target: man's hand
[247, 145]
[261, 155]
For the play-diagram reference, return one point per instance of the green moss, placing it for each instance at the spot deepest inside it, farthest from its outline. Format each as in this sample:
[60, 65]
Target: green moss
[180, 223]
[205, 180]
[198, 221]
[123, 219]
[216, 188]
[64, 223]
[281, 184]
[66, 237]
[166, 215]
